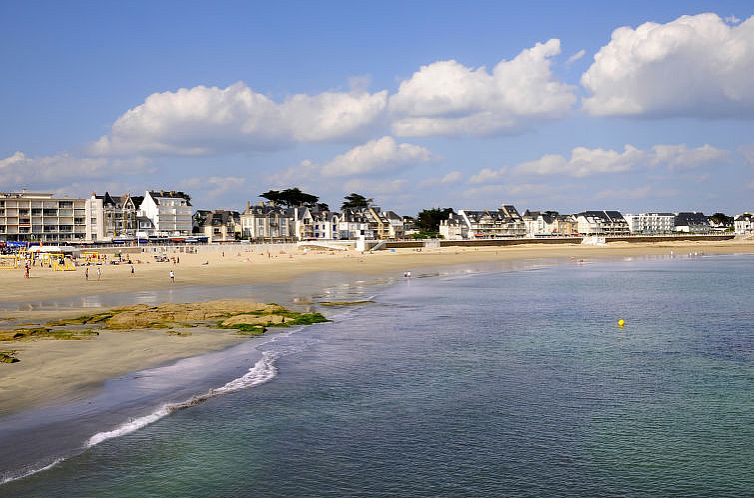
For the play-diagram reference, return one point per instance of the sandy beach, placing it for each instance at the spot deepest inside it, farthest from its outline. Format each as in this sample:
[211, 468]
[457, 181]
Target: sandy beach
[54, 370]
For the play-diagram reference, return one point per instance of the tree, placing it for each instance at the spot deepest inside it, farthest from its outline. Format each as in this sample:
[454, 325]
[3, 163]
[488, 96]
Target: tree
[290, 197]
[721, 219]
[355, 201]
[429, 220]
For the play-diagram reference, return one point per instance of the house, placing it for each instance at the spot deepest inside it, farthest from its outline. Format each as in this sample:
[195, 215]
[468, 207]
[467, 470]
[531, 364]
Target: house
[691, 222]
[325, 225]
[744, 223]
[27, 216]
[353, 224]
[650, 223]
[384, 224]
[169, 212]
[548, 223]
[110, 217]
[267, 222]
[488, 224]
[601, 223]
[218, 225]
[454, 228]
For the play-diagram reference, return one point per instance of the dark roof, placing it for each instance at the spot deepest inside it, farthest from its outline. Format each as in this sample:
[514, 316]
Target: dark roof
[690, 218]
[174, 194]
[605, 216]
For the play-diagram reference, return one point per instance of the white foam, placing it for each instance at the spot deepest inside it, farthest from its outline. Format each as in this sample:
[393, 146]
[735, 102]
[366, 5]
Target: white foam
[262, 371]
[30, 472]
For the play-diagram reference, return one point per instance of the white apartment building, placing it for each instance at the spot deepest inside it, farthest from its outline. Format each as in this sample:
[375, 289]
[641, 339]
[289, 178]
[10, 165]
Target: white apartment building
[169, 212]
[650, 223]
[267, 222]
[28, 216]
[601, 223]
[109, 217]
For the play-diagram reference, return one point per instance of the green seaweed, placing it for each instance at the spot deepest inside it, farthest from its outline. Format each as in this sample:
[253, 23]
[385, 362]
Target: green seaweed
[8, 356]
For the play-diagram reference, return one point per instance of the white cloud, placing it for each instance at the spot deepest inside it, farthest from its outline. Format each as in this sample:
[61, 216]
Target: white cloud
[583, 162]
[19, 169]
[383, 154]
[448, 98]
[210, 120]
[213, 186]
[577, 56]
[391, 187]
[680, 156]
[693, 66]
[488, 174]
[450, 178]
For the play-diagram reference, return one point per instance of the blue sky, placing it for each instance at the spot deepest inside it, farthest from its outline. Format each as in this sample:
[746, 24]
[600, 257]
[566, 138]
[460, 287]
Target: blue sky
[415, 104]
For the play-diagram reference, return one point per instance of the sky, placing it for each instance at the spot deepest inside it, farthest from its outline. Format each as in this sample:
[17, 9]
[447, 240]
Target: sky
[638, 106]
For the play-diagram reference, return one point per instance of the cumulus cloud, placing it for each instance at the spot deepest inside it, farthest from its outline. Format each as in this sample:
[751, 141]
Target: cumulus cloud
[450, 178]
[448, 98]
[210, 120]
[681, 156]
[692, 66]
[585, 162]
[19, 169]
[376, 155]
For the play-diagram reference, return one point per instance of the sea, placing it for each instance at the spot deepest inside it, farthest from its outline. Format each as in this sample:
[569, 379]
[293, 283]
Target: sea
[470, 381]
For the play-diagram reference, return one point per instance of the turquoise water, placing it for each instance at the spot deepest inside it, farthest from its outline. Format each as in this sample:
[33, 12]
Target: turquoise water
[493, 384]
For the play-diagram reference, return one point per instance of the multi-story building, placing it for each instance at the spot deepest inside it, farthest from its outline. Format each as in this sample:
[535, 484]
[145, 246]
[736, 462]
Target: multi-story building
[549, 223]
[27, 217]
[601, 223]
[488, 224]
[353, 224]
[744, 223]
[691, 222]
[111, 217]
[168, 211]
[218, 225]
[325, 225]
[267, 222]
[650, 223]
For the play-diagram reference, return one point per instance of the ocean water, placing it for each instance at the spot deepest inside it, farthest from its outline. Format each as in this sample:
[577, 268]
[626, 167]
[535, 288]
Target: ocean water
[495, 383]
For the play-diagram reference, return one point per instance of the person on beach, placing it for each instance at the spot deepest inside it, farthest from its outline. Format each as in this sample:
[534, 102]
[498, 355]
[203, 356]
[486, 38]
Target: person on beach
[172, 277]
[26, 270]
[86, 273]
[99, 273]
[132, 270]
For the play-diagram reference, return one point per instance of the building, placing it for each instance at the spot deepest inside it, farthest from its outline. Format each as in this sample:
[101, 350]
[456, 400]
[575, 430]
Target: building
[691, 222]
[454, 228]
[744, 224]
[650, 223]
[488, 224]
[169, 212]
[325, 225]
[28, 217]
[548, 223]
[384, 224]
[267, 222]
[111, 217]
[354, 224]
[218, 225]
[601, 223]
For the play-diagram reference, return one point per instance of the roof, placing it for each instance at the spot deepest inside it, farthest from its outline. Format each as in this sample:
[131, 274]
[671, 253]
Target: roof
[605, 216]
[169, 194]
[690, 218]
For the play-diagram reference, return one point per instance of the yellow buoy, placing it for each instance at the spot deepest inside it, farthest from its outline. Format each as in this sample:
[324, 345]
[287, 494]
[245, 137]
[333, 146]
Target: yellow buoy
[621, 323]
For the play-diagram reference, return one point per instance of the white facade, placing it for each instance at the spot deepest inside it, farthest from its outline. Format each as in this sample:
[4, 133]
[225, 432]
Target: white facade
[41, 217]
[601, 223]
[744, 224]
[170, 213]
[650, 223]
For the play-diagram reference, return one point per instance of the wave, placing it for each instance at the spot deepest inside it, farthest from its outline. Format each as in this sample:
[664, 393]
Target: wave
[26, 473]
[263, 371]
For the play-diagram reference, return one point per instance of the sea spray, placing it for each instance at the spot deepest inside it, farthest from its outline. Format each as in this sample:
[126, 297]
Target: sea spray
[262, 371]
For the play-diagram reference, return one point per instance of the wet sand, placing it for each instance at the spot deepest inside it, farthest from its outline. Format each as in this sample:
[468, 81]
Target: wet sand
[54, 370]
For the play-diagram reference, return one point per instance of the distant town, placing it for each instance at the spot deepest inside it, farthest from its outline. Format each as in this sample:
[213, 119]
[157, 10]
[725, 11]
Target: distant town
[292, 215]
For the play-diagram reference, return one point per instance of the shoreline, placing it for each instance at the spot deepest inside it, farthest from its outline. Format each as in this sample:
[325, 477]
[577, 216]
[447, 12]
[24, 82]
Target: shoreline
[56, 371]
